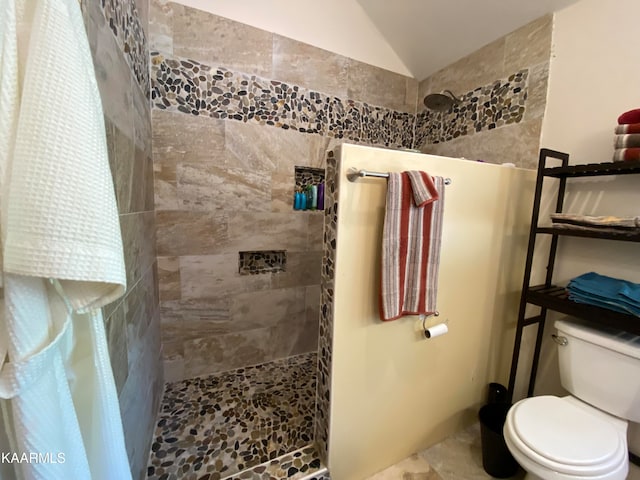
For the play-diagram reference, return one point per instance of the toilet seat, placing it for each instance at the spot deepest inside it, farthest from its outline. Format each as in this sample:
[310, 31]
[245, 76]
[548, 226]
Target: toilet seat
[558, 434]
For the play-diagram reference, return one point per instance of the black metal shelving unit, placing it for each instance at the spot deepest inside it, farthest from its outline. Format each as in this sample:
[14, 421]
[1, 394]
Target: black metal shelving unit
[551, 297]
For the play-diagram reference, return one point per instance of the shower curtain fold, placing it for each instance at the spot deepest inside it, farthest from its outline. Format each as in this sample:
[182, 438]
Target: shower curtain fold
[62, 255]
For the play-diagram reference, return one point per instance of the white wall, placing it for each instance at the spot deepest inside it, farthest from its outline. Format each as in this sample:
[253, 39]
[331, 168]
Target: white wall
[594, 77]
[336, 25]
[393, 392]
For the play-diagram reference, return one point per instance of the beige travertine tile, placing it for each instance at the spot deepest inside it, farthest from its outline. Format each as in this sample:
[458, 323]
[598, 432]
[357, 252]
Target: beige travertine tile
[482, 67]
[141, 313]
[138, 238]
[218, 41]
[226, 352]
[173, 369]
[518, 143]
[197, 311]
[293, 336]
[255, 147]
[538, 82]
[319, 148]
[122, 161]
[310, 67]
[207, 187]
[411, 468]
[376, 86]
[134, 180]
[278, 231]
[315, 233]
[191, 319]
[282, 191]
[267, 308]
[303, 268]
[113, 74]
[165, 194]
[191, 233]
[216, 276]
[312, 304]
[172, 335]
[143, 195]
[169, 278]
[460, 456]
[411, 99]
[529, 45]
[316, 155]
[161, 26]
[139, 401]
[116, 332]
[141, 120]
[178, 137]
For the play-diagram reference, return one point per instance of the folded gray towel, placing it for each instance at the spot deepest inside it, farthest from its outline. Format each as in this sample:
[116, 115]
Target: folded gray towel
[596, 221]
[627, 140]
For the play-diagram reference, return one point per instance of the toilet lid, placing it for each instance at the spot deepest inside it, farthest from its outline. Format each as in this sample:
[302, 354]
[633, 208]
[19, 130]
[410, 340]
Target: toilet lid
[565, 433]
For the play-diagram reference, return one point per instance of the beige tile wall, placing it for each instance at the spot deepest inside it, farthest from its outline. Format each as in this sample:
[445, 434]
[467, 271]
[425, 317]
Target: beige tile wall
[132, 323]
[223, 186]
[232, 196]
[528, 47]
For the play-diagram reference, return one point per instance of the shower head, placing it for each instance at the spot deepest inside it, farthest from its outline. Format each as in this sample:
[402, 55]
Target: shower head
[439, 102]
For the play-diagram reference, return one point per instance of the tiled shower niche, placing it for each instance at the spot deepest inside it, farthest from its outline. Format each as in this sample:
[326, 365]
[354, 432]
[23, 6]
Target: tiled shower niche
[306, 176]
[305, 197]
[262, 261]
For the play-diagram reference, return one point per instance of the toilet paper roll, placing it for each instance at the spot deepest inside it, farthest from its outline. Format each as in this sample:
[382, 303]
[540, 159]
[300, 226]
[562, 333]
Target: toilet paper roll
[436, 330]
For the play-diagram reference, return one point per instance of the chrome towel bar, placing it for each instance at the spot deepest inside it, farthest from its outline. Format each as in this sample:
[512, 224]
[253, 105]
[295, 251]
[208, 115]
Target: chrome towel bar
[353, 175]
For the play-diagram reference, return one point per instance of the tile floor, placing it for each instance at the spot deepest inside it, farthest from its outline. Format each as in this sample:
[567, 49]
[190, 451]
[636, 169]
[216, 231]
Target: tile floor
[215, 427]
[458, 457]
[256, 423]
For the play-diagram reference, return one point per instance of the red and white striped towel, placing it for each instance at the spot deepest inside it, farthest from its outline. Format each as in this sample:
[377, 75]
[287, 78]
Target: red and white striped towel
[411, 244]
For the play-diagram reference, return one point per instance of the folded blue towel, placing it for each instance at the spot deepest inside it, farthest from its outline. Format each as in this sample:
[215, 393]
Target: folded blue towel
[607, 292]
[631, 291]
[604, 303]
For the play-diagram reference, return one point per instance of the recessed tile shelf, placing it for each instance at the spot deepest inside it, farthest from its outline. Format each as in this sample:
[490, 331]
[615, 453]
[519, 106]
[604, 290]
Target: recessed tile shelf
[262, 261]
[306, 176]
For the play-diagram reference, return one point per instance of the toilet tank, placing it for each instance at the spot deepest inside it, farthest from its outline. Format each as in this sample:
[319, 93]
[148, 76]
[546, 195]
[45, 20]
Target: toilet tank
[601, 366]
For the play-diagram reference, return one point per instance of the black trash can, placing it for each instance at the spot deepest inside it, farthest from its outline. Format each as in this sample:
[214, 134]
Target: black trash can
[496, 458]
[497, 393]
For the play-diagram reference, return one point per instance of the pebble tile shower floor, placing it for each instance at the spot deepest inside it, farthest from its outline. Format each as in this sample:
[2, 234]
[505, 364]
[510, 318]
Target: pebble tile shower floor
[236, 425]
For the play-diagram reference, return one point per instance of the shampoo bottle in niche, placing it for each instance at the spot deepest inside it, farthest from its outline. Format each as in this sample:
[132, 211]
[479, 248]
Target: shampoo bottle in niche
[321, 196]
[309, 194]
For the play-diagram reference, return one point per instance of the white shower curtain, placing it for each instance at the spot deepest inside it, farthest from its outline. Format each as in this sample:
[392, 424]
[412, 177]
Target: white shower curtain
[62, 253]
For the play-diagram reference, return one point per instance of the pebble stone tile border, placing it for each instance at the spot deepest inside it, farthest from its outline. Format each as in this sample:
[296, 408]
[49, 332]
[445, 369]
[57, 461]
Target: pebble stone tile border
[220, 425]
[123, 20]
[301, 464]
[262, 261]
[325, 333]
[191, 87]
[194, 88]
[491, 106]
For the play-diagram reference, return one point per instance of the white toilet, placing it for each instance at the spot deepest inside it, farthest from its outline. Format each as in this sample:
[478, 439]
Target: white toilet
[582, 436]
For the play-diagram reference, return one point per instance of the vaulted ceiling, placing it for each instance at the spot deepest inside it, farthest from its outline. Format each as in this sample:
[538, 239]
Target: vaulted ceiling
[428, 35]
